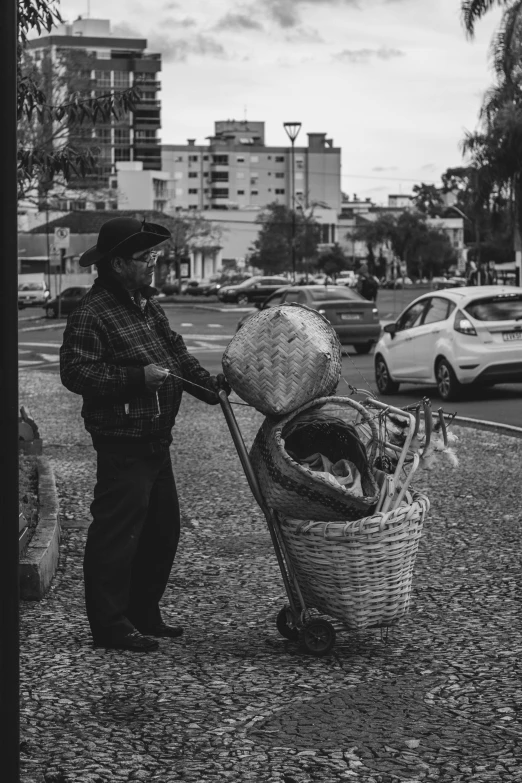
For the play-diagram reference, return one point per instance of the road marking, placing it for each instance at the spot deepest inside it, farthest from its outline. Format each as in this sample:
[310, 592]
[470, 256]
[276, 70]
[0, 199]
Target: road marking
[50, 357]
[208, 336]
[215, 326]
[30, 361]
[38, 328]
[187, 324]
[42, 345]
[209, 347]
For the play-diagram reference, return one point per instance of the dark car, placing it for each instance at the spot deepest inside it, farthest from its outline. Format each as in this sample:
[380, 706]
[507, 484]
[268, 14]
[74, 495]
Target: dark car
[197, 288]
[65, 302]
[355, 320]
[255, 289]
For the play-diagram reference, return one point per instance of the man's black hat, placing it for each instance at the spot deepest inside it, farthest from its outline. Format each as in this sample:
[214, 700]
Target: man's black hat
[124, 236]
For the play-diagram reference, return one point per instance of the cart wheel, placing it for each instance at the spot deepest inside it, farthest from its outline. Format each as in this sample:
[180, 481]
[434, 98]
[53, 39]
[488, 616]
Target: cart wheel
[318, 637]
[292, 634]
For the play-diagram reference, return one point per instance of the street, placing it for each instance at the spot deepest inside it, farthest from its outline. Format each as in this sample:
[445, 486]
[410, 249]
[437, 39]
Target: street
[207, 329]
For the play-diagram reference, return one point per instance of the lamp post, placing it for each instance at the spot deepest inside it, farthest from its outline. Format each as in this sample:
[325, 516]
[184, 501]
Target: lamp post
[292, 131]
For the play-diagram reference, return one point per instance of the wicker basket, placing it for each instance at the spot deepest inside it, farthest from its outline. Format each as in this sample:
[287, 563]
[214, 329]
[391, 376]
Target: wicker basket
[293, 489]
[283, 357]
[358, 572]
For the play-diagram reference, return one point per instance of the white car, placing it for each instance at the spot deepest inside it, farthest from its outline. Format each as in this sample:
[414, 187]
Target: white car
[453, 338]
[33, 294]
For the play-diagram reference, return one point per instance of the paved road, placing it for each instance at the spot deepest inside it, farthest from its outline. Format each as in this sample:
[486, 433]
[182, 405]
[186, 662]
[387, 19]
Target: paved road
[207, 331]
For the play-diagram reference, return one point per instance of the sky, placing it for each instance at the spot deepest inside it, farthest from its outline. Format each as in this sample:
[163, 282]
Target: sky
[395, 83]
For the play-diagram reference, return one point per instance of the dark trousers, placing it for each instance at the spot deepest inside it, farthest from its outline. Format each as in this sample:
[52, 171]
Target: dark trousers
[131, 542]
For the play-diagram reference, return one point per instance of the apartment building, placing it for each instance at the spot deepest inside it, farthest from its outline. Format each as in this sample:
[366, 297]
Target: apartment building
[237, 170]
[104, 64]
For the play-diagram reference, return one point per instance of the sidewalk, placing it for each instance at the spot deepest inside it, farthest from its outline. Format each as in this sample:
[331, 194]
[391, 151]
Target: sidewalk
[232, 700]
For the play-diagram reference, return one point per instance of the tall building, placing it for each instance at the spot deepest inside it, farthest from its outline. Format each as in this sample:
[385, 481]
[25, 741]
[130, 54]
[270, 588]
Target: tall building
[105, 64]
[237, 170]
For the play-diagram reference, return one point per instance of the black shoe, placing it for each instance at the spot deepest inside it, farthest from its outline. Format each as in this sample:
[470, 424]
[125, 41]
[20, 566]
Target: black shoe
[133, 640]
[163, 630]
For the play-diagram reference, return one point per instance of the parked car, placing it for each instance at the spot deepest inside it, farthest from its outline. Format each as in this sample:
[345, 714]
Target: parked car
[66, 301]
[173, 288]
[449, 282]
[255, 289]
[197, 288]
[355, 320]
[463, 336]
[33, 294]
[398, 282]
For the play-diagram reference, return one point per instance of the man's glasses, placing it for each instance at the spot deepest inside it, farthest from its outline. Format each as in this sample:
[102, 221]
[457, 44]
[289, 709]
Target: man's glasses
[149, 258]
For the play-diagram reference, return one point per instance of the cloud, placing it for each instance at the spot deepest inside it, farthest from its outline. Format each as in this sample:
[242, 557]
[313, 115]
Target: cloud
[384, 168]
[175, 49]
[287, 13]
[238, 22]
[171, 21]
[429, 167]
[304, 35]
[357, 56]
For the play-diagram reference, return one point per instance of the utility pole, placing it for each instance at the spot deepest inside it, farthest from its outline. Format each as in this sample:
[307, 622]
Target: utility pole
[9, 587]
[292, 130]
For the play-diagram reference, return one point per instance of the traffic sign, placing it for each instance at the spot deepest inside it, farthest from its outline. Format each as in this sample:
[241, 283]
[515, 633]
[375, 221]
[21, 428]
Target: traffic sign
[62, 237]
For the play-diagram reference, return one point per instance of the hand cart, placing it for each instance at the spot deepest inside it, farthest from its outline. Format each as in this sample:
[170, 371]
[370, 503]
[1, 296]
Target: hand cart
[397, 511]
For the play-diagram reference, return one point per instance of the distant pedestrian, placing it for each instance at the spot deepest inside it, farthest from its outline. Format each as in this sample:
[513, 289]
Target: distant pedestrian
[121, 355]
[480, 276]
[367, 285]
[492, 273]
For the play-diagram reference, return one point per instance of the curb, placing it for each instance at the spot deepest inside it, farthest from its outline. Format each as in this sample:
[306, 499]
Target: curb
[38, 566]
[488, 426]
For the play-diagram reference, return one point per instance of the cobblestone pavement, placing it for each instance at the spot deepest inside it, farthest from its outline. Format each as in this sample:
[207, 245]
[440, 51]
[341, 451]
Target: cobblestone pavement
[439, 700]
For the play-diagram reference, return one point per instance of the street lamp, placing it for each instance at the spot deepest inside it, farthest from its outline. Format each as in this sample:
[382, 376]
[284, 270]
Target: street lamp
[292, 131]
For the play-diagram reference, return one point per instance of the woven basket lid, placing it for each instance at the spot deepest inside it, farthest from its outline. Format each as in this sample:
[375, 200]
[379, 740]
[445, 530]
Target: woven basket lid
[282, 358]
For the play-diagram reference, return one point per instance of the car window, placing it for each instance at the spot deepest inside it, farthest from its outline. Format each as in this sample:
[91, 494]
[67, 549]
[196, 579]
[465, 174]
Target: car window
[411, 317]
[503, 307]
[294, 296]
[437, 309]
[31, 287]
[324, 293]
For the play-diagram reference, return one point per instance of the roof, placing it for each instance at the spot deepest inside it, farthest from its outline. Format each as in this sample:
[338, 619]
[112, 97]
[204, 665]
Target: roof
[90, 221]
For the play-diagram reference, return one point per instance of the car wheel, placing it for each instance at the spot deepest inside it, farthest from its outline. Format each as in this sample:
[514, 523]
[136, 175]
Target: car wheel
[363, 347]
[242, 299]
[447, 384]
[385, 384]
[51, 312]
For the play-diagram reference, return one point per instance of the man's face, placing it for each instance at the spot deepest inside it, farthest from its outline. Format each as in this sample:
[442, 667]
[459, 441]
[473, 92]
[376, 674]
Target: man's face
[138, 270]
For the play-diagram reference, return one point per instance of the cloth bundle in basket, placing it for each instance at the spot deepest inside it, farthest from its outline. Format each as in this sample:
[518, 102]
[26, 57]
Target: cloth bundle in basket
[358, 572]
[283, 357]
[291, 488]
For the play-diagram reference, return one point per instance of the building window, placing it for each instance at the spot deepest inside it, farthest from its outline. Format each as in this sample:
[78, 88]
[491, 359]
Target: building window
[219, 176]
[299, 163]
[219, 192]
[99, 204]
[205, 157]
[240, 175]
[253, 178]
[122, 153]
[114, 205]
[279, 158]
[122, 136]
[121, 79]
[193, 191]
[193, 174]
[240, 159]
[221, 160]
[178, 158]
[280, 175]
[103, 135]
[254, 193]
[299, 175]
[240, 192]
[145, 135]
[114, 183]
[103, 78]
[78, 205]
[193, 206]
[269, 157]
[193, 158]
[254, 159]
[280, 191]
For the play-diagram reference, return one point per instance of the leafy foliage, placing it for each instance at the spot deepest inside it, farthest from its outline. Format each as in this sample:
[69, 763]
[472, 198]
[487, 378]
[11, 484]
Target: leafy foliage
[333, 261]
[272, 250]
[47, 126]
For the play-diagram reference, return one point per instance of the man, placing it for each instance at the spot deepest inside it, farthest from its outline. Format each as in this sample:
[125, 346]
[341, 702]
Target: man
[367, 285]
[120, 354]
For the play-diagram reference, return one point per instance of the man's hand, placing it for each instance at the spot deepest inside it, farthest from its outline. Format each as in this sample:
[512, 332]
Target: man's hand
[154, 377]
[220, 383]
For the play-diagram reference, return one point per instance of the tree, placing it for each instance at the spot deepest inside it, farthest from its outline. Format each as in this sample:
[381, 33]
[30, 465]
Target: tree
[375, 234]
[45, 152]
[428, 199]
[272, 250]
[333, 261]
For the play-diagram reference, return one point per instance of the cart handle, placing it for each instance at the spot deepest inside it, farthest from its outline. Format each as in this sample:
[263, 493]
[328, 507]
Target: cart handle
[242, 450]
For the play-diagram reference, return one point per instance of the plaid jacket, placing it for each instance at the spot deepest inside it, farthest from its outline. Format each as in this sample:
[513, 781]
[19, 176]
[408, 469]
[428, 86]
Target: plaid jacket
[107, 342]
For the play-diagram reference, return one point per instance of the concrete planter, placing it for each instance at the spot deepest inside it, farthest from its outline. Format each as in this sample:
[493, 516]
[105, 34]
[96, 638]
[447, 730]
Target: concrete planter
[40, 561]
